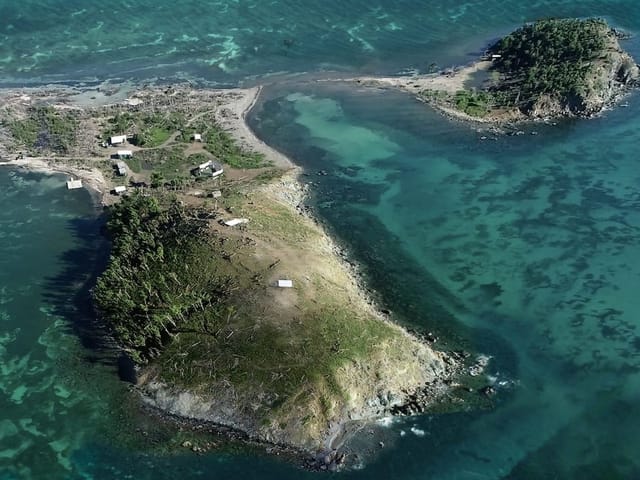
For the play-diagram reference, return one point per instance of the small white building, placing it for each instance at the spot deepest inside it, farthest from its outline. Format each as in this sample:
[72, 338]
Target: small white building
[216, 172]
[74, 184]
[196, 137]
[203, 166]
[133, 102]
[121, 167]
[125, 154]
[120, 189]
[216, 194]
[285, 283]
[118, 139]
[236, 221]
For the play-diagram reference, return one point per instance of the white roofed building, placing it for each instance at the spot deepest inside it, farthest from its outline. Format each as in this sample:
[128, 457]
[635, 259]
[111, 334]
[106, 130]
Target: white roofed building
[73, 184]
[118, 139]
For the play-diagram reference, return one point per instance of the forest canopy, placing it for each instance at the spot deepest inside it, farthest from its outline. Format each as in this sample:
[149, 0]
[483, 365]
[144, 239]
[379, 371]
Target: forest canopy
[163, 272]
[551, 56]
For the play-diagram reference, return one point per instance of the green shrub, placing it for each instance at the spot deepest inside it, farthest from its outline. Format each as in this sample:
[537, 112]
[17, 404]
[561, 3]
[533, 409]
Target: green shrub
[46, 129]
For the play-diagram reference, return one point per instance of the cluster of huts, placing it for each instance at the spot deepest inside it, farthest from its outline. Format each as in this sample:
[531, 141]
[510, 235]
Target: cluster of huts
[121, 155]
[212, 168]
[207, 168]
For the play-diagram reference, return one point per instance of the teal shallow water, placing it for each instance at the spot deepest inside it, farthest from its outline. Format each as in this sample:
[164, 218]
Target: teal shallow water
[47, 380]
[227, 41]
[523, 248]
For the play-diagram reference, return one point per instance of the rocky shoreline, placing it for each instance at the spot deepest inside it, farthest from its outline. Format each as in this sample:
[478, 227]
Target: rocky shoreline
[447, 392]
[338, 454]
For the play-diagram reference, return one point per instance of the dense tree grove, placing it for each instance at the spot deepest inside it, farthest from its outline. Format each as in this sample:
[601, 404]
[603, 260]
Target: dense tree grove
[551, 57]
[163, 272]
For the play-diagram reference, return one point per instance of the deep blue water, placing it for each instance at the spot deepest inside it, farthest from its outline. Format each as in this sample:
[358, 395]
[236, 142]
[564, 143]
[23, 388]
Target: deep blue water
[523, 248]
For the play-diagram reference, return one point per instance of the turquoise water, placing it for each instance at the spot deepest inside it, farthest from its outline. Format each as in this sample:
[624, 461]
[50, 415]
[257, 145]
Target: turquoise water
[47, 377]
[530, 242]
[228, 41]
[524, 248]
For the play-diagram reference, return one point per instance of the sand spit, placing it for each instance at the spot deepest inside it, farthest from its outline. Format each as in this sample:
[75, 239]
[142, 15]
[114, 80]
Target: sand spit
[450, 80]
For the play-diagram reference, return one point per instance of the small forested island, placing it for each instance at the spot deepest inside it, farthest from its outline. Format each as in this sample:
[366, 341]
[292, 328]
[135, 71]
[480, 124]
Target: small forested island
[234, 304]
[546, 69]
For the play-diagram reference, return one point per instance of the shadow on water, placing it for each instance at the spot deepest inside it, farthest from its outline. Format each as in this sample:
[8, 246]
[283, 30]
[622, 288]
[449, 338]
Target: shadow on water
[70, 293]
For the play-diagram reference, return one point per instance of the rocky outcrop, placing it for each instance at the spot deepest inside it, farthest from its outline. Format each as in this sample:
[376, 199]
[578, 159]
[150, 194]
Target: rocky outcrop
[608, 77]
[402, 379]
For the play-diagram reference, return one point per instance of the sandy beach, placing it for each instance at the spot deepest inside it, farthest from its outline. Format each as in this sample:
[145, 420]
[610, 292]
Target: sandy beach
[449, 81]
[232, 116]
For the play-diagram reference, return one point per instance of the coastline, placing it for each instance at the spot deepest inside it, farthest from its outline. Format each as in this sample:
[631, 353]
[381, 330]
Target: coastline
[191, 407]
[93, 179]
[449, 81]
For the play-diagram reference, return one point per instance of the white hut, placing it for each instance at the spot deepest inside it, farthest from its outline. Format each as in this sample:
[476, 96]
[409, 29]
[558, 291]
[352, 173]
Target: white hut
[118, 139]
[120, 189]
[125, 154]
[74, 184]
[133, 102]
[203, 166]
[121, 167]
[196, 137]
[236, 221]
[285, 284]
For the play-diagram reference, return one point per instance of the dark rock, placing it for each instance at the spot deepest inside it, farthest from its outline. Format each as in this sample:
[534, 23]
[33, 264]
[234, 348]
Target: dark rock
[488, 391]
